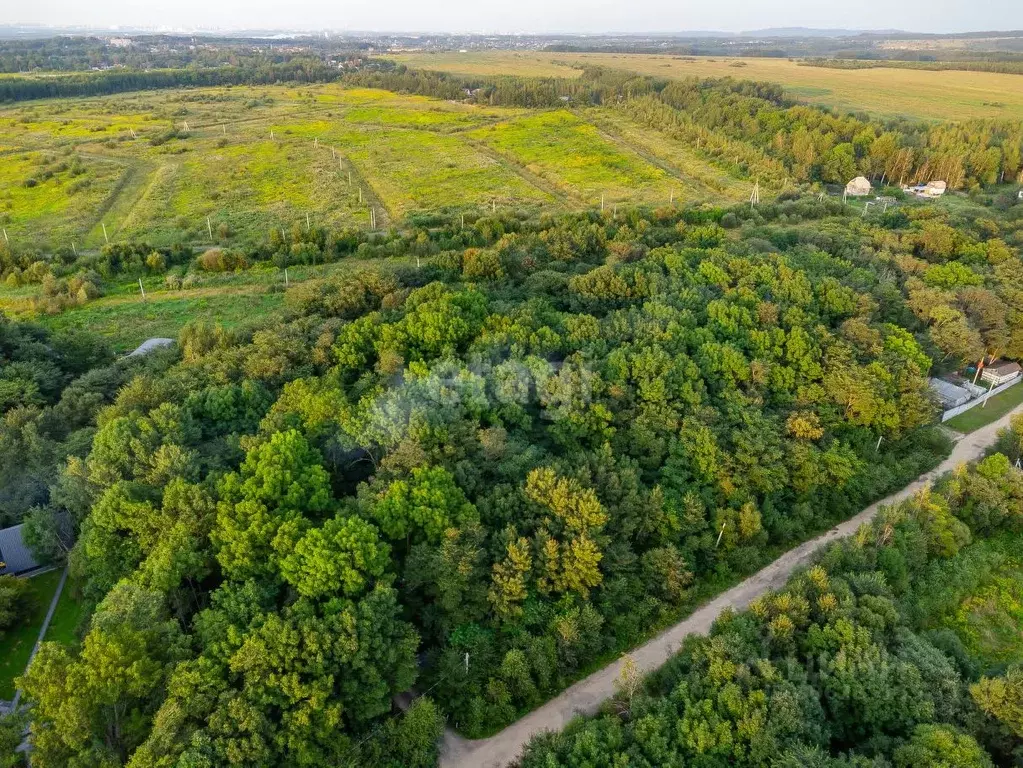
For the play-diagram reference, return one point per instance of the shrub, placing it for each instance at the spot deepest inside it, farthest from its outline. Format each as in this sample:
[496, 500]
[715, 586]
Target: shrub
[221, 260]
[15, 601]
[156, 262]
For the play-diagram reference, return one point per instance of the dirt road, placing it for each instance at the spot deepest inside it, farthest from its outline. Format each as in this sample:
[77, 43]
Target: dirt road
[586, 696]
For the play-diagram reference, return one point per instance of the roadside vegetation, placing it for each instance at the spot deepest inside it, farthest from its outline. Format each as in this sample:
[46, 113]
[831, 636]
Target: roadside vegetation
[899, 647]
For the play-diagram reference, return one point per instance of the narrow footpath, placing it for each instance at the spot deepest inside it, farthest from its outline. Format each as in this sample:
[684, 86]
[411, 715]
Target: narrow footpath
[586, 696]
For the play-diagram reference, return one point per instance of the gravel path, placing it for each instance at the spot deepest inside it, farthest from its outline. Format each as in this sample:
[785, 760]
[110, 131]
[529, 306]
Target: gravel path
[586, 696]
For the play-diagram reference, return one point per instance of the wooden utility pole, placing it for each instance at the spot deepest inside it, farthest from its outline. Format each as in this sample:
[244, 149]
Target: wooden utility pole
[143, 290]
[209, 228]
[107, 239]
[75, 250]
[286, 283]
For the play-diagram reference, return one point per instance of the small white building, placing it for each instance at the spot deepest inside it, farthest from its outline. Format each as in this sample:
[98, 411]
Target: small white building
[998, 373]
[934, 189]
[858, 187]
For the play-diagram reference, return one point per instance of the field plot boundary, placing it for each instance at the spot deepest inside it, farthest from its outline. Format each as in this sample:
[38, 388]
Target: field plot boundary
[560, 194]
[688, 179]
[359, 181]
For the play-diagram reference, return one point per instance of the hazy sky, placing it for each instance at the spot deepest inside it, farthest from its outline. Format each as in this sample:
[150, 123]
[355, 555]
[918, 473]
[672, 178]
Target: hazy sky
[525, 15]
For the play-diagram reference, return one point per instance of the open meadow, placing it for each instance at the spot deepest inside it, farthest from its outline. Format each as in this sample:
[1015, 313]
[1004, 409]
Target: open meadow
[928, 95]
[229, 164]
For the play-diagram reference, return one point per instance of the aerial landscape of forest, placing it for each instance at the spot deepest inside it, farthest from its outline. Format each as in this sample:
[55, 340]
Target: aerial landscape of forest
[479, 401]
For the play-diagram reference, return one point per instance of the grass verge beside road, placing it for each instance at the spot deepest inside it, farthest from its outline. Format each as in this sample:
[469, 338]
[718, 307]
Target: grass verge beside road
[982, 415]
[16, 644]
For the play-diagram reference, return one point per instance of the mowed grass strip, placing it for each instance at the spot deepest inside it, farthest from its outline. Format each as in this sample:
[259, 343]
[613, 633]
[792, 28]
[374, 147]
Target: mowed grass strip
[996, 407]
[570, 153]
[16, 644]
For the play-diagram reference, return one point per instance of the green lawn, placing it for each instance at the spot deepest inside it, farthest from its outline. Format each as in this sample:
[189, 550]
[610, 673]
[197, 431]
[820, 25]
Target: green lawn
[16, 644]
[979, 416]
[66, 617]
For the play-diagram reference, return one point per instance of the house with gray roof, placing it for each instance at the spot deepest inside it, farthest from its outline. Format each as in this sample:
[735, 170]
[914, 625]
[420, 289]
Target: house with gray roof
[15, 556]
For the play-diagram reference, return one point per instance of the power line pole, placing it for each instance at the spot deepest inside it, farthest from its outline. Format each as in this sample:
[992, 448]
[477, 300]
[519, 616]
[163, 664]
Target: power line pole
[107, 239]
[142, 289]
[209, 228]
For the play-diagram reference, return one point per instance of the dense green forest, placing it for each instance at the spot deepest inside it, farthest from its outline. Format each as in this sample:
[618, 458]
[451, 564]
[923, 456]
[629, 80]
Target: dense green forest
[501, 449]
[251, 70]
[551, 438]
[844, 667]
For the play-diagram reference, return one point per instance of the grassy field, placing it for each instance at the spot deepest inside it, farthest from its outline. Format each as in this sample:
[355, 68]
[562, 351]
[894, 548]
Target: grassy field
[157, 165]
[884, 92]
[996, 407]
[66, 617]
[568, 152]
[16, 644]
[235, 301]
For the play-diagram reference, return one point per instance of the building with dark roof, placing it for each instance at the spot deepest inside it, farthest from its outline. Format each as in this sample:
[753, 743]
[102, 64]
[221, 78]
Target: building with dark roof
[15, 556]
[998, 373]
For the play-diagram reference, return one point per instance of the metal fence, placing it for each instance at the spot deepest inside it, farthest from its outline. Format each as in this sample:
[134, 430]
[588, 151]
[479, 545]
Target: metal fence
[952, 412]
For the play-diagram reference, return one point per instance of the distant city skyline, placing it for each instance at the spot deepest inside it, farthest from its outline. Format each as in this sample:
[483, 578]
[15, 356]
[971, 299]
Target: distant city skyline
[523, 16]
